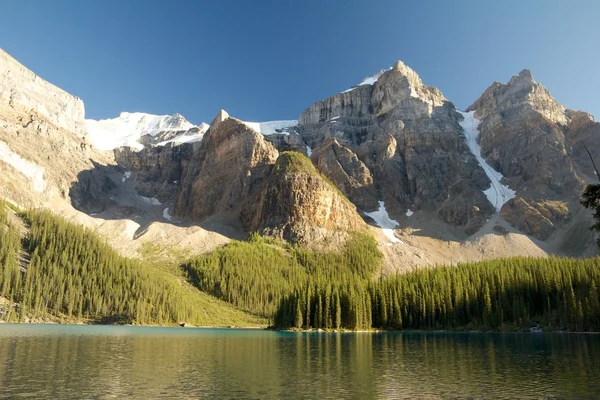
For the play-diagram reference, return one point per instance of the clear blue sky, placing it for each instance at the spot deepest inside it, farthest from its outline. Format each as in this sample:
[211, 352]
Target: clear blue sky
[265, 60]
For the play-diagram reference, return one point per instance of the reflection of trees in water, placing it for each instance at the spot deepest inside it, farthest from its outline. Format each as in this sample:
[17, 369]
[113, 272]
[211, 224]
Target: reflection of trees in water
[256, 364]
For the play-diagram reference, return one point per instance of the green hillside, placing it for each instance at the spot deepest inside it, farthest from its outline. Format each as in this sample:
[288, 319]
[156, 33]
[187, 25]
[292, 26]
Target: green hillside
[76, 276]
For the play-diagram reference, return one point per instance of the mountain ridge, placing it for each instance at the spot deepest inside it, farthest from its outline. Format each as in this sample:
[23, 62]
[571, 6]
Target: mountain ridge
[390, 140]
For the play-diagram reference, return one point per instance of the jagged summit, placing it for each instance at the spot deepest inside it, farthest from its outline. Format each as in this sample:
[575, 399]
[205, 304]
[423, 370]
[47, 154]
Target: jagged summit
[524, 77]
[521, 91]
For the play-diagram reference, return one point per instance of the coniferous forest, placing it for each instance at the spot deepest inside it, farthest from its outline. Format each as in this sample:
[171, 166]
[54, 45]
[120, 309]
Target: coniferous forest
[74, 274]
[60, 268]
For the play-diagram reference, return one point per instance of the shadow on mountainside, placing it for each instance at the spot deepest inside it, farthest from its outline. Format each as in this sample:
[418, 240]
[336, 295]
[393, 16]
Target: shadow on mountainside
[110, 192]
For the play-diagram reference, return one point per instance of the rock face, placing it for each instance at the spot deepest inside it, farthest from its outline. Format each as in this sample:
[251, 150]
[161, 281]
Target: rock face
[347, 172]
[230, 163]
[536, 144]
[397, 140]
[158, 168]
[42, 148]
[26, 93]
[296, 204]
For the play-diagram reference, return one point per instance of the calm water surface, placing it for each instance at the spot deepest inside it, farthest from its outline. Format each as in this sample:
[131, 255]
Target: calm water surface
[61, 361]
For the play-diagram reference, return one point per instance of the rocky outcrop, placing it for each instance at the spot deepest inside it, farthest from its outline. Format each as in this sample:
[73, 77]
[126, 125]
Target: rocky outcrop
[157, 169]
[583, 131]
[298, 205]
[230, 163]
[536, 217]
[287, 142]
[26, 93]
[522, 137]
[347, 172]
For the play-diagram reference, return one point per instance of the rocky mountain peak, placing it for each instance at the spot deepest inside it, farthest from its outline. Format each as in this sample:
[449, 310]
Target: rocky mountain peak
[524, 78]
[521, 94]
[229, 165]
[299, 205]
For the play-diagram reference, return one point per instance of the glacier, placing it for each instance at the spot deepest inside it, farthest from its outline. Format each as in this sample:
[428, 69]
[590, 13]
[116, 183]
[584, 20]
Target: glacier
[498, 194]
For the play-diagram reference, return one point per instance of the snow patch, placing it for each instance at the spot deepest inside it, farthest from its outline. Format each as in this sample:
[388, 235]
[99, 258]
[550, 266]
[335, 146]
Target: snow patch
[127, 174]
[369, 81]
[383, 220]
[153, 201]
[498, 194]
[272, 127]
[409, 213]
[166, 214]
[187, 137]
[308, 151]
[32, 171]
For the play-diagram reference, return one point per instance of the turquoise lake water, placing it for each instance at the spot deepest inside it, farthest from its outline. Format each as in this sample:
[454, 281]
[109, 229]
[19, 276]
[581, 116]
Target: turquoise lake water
[63, 361]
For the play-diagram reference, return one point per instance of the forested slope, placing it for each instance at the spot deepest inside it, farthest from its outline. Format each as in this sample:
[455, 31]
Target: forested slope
[75, 275]
[516, 293]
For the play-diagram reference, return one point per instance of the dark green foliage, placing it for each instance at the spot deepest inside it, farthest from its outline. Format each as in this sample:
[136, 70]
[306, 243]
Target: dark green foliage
[75, 275]
[257, 274]
[10, 247]
[502, 294]
[591, 199]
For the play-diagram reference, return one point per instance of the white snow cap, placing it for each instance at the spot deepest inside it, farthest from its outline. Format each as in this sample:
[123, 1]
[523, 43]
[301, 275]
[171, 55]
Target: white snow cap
[498, 194]
[383, 220]
[370, 80]
[272, 127]
[128, 128]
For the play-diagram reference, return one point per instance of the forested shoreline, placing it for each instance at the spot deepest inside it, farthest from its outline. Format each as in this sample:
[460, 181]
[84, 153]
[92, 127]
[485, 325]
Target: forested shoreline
[70, 272]
[510, 294]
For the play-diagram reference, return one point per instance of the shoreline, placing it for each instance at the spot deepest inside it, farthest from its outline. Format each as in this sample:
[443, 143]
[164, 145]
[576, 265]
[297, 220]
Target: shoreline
[259, 328]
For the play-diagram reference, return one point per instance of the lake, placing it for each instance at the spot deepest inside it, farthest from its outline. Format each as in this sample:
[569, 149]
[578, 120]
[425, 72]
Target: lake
[77, 361]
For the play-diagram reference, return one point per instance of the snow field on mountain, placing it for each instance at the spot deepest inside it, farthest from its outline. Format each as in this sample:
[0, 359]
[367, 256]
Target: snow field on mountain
[271, 127]
[383, 220]
[498, 194]
[128, 128]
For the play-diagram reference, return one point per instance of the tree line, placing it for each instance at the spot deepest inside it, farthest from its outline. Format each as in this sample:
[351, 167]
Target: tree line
[554, 293]
[73, 273]
[256, 274]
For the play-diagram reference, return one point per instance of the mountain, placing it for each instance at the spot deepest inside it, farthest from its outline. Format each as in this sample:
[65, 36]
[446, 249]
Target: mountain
[136, 129]
[432, 183]
[298, 205]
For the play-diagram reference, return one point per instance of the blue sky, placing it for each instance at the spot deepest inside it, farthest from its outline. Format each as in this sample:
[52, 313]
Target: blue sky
[265, 60]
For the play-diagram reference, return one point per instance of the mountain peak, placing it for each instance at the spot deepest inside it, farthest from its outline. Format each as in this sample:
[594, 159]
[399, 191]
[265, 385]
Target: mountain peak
[524, 77]
[129, 127]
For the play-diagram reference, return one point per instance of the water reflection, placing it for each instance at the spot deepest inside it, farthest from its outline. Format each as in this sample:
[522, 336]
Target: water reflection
[102, 362]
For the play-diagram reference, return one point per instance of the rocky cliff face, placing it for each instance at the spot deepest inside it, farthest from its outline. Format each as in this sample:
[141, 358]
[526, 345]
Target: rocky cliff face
[531, 139]
[26, 93]
[42, 148]
[402, 143]
[296, 204]
[228, 165]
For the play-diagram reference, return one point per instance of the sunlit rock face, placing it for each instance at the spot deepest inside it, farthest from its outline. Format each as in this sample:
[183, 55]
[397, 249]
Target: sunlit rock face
[400, 141]
[298, 205]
